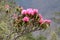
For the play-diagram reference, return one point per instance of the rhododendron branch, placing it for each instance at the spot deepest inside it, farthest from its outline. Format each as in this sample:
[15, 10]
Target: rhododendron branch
[23, 33]
[29, 21]
[36, 29]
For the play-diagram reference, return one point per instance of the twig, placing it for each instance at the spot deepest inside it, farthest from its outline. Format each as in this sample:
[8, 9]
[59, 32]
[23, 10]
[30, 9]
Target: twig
[26, 33]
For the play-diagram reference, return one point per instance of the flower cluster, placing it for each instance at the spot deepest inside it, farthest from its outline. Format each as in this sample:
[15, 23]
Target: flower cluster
[32, 18]
[41, 21]
[29, 11]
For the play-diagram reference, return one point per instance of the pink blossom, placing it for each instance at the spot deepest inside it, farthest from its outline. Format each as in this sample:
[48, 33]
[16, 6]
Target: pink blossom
[25, 19]
[47, 21]
[6, 6]
[14, 16]
[41, 21]
[35, 11]
[30, 11]
[24, 12]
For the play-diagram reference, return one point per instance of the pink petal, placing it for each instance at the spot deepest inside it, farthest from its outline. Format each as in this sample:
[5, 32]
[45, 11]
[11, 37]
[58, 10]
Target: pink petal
[24, 12]
[35, 11]
[25, 19]
[48, 21]
[6, 6]
[41, 21]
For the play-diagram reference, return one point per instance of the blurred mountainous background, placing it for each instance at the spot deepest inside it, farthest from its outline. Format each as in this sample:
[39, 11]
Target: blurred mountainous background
[49, 9]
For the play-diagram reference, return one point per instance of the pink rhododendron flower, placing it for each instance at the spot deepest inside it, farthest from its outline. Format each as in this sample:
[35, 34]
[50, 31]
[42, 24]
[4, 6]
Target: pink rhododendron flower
[24, 12]
[30, 11]
[25, 19]
[35, 11]
[41, 21]
[7, 6]
[47, 21]
[14, 16]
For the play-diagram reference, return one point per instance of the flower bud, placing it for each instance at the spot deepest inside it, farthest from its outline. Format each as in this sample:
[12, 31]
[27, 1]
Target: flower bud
[25, 19]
